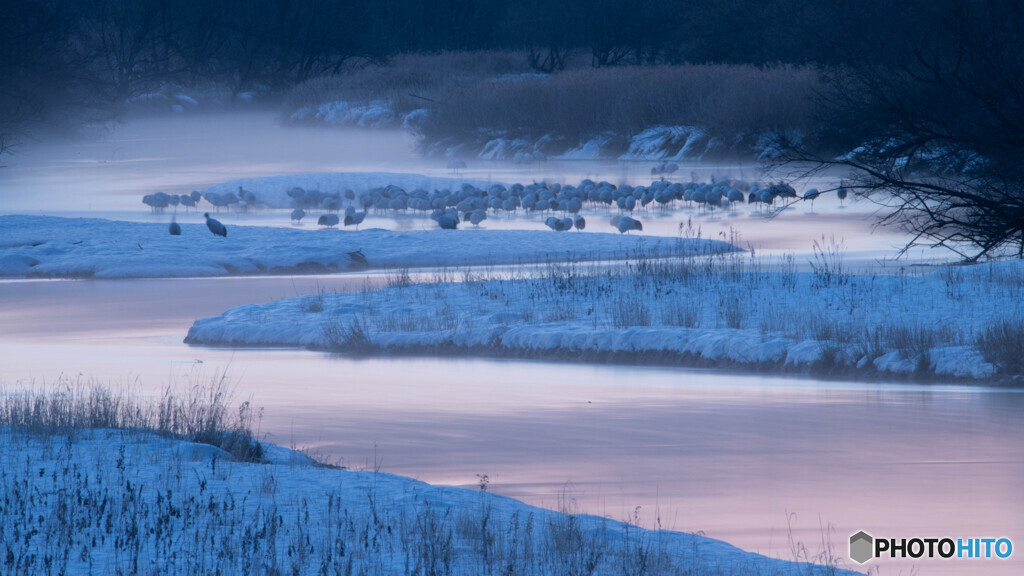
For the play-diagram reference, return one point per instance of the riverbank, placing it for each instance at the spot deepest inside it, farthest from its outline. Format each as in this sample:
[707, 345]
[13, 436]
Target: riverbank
[51, 247]
[93, 488]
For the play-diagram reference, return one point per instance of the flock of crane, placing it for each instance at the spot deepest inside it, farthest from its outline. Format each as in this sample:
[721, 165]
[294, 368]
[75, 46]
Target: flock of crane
[561, 203]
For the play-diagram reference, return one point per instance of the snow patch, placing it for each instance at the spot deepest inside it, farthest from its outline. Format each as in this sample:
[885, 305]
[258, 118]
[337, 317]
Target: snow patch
[375, 114]
[589, 150]
[960, 361]
[667, 142]
[413, 121]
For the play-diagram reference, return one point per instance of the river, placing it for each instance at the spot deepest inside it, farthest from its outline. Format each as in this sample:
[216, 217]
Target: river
[733, 455]
[745, 458]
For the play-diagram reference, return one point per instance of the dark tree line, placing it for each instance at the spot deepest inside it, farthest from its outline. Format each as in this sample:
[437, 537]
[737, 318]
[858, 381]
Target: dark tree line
[95, 53]
[114, 49]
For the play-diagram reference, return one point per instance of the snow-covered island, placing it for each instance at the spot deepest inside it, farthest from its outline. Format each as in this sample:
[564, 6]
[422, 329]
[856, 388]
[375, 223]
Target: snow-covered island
[51, 247]
[724, 311]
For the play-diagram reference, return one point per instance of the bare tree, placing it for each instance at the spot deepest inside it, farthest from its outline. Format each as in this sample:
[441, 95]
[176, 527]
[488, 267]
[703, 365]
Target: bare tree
[940, 120]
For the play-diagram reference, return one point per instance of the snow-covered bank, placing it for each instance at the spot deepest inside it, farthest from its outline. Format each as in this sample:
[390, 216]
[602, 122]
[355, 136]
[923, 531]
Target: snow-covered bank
[106, 502]
[660, 142]
[44, 247]
[680, 143]
[960, 322]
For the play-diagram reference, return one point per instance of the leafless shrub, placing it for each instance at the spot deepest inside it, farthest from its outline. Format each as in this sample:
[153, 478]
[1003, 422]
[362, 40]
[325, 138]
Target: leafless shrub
[398, 279]
[912, 338]
[200, 413]
[1002, 344]
[733, 310]
[630, 311]
[312, 303]
[833, 331]
[573, 550]
[827, 263]
[683, 312]
[433, 542]
[350, 334]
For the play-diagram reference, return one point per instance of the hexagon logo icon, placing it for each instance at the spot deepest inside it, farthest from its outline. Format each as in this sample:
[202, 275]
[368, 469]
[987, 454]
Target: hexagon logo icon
[861, 547]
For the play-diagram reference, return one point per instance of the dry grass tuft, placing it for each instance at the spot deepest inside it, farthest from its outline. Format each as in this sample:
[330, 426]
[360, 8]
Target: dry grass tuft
[201, 413]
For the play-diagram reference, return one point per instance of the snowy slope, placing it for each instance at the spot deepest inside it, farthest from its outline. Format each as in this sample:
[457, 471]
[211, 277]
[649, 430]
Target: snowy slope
[38, 246]
[106, 502]
[668, 143]
[376, 114]
[671, 311]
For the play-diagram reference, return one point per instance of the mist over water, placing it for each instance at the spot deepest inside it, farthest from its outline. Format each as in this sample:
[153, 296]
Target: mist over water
[112, 170]
[107, 173]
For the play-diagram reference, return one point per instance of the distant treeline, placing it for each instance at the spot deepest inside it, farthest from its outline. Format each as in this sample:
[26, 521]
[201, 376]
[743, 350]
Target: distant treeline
[97, 52]
[120, 46]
